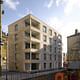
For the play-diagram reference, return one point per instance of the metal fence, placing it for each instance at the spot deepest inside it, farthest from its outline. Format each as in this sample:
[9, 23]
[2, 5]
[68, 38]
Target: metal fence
[26, 75]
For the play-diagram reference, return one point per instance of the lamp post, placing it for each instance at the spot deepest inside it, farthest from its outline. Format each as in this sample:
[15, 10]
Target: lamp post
[1, 2]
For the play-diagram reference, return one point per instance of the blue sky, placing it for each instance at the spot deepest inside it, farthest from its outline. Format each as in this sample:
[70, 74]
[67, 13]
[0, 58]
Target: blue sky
[62, 15]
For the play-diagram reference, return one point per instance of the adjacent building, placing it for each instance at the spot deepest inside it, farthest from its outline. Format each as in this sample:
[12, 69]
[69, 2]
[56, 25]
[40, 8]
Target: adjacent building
[4, 50]
[33, 45]
[73, 51]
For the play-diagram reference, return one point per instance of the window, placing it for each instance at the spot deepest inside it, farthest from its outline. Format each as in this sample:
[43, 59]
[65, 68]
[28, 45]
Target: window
[55, 49]
[26, 45]
[16, 27]
[26, 24]
[50, 48]
[50, 65]
[15, 47]
[44, 38]
[50, 32]
[16, 36]
[27, 66]
[70, 39]
[15, 56]
[55, 42]
[26, 34]
[27, 56]
[44, 56]
[34, 46]
[15, 66]
[59, 64]
[50, 40]
[44, 29]
[55, 33]
[44, 47]
[44, 65]
[50, 57]
[55, 57]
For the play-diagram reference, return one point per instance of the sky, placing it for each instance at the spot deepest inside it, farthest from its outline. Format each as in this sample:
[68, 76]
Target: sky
[62, 15]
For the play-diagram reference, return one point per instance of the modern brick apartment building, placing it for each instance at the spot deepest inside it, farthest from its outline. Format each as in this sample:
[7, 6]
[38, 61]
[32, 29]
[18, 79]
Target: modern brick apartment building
[33, 45]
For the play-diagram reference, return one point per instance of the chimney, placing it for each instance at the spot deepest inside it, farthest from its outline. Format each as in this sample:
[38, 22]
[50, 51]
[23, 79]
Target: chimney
[76, 31]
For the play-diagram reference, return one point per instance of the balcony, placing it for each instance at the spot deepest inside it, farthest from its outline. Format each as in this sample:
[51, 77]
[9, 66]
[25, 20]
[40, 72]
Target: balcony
[35, 36]
[27, 22]
[34, 46]
[35, 56]
[26, 34]
[35, 24]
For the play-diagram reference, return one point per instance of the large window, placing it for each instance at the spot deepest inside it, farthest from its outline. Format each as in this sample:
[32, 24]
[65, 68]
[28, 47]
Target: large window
[15, 46]
[27, 56]
[26, 34]
[16, 36]
[15, 57]
[44, 46]
[50, 57]
[44, 65]
[27, 66]
[50, 48]
[50, 32]
[26, 45]
[55, 57]
[26, 24]
[44, 29]
[55, 42]
[15, 66]
[55, 49]
[16, 27]
[50, 40]
[44, 56]
[44, 38]
[50, 65]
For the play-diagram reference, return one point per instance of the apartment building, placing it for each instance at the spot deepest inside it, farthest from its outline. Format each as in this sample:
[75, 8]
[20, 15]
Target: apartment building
[73, 51]
[33, 45]
[4, 48]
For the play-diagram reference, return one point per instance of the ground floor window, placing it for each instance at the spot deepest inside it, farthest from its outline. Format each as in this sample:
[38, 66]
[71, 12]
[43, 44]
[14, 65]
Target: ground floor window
[27, 66]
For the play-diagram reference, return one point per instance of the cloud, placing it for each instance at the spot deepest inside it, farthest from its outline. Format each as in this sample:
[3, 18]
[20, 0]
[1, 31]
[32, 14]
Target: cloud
[50, 3]
[12, 4]
[69, 5]
[58, 2]
[56, 23]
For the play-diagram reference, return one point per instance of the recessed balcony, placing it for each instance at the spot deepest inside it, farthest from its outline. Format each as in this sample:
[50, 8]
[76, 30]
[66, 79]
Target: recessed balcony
[36, 35]
[35, 45]
[35, 24]
[35, 56]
